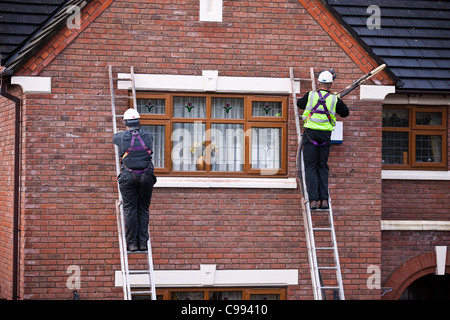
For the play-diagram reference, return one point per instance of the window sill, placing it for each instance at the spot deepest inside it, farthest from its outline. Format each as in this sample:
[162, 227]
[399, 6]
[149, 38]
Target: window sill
[241, 183]
[414, 175]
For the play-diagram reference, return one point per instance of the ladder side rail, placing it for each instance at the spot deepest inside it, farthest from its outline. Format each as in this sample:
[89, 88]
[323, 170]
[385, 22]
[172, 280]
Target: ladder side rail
[133, 87]
[315, 276]
[307, 221]
[336, 253]
[120, 218]
[150, 264]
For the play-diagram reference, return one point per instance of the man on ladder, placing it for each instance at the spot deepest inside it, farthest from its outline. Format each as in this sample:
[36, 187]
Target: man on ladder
[319, 119]
[136, 179]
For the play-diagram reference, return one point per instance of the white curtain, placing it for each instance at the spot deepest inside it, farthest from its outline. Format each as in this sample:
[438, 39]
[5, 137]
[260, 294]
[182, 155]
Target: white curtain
[227, 147]
[266, 148]
[188, 145]
[158, 135]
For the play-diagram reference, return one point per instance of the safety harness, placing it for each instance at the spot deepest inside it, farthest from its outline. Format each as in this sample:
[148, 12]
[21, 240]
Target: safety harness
[135, 134]
[321, 102]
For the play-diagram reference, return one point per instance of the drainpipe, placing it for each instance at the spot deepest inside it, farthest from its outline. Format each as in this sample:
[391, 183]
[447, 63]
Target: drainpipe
[15, 267]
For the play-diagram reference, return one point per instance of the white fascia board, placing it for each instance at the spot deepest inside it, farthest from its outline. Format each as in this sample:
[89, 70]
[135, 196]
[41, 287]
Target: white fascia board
[235, 183]
[415, 175]
[375, 93]
[33, 84]
[209, 81]
[220, 278]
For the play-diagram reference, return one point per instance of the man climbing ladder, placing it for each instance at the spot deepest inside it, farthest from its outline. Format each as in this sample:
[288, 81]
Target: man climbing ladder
[136, 179]
[320, 112]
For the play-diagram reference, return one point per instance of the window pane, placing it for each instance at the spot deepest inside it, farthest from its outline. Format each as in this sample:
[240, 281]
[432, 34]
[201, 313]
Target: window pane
[428, 148]
[264, 297]
[227, 108]
[189, 107]
[395, 147]
[159, 135]
[428, 118]
[188, 146]
[227, 147]
[151, 106]
[266, 109]
[194, 295]
[225, 295]
[396, 118]
[266, 148]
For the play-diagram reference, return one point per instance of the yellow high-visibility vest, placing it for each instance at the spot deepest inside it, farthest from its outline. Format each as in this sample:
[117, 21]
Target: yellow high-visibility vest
[315, 116]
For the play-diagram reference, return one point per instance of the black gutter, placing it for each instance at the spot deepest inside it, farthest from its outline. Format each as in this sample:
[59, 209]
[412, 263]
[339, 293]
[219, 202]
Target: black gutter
[17, 126]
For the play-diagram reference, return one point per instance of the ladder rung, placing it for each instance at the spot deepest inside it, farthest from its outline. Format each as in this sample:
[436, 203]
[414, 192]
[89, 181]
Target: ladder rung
[123, 97]
[119, 116]
[334, 288]
[327, 268]
[322, 229]
[324, 248]
[141, 292]
[138, 271]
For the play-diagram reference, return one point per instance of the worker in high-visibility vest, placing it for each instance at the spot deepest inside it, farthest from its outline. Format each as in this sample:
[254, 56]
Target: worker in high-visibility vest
[319, 116]
[136, 179]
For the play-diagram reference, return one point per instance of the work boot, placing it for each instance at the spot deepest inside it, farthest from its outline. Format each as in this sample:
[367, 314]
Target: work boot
[143, 247]
[324, 204]
[314, 205]
[132, 247]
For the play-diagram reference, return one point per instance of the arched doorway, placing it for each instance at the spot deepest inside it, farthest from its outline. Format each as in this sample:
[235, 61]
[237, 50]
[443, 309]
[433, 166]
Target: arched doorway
[429, 287]
[412, 270]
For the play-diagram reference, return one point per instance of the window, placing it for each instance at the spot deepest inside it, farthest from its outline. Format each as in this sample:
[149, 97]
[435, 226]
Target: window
[217, 294]
[414, 137]
[216, 135]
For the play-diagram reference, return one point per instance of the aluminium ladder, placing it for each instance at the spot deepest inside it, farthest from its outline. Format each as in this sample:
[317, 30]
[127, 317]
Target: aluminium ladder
[319, 227]
[125, 270]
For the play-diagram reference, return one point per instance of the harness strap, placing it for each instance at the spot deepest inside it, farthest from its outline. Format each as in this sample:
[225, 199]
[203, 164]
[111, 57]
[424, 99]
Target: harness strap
[321, 102]
[314, 142]
[135, 134]
[137, 148]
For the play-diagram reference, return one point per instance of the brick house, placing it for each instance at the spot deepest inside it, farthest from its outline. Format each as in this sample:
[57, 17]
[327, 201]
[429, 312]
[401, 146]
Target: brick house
[227, 229]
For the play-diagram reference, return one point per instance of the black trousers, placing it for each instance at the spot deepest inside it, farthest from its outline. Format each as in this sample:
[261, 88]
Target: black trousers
[315, 158]
[136, 192]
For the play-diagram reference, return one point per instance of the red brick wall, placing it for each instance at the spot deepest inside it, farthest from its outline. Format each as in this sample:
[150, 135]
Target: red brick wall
[416, 200]
[70, 180]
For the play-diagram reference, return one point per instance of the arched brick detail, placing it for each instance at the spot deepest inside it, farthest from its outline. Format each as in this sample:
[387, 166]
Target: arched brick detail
[410, 271]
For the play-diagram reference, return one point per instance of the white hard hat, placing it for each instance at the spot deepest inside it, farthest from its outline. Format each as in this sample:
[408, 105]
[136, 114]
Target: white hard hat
[325, 77]
[131, 114]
